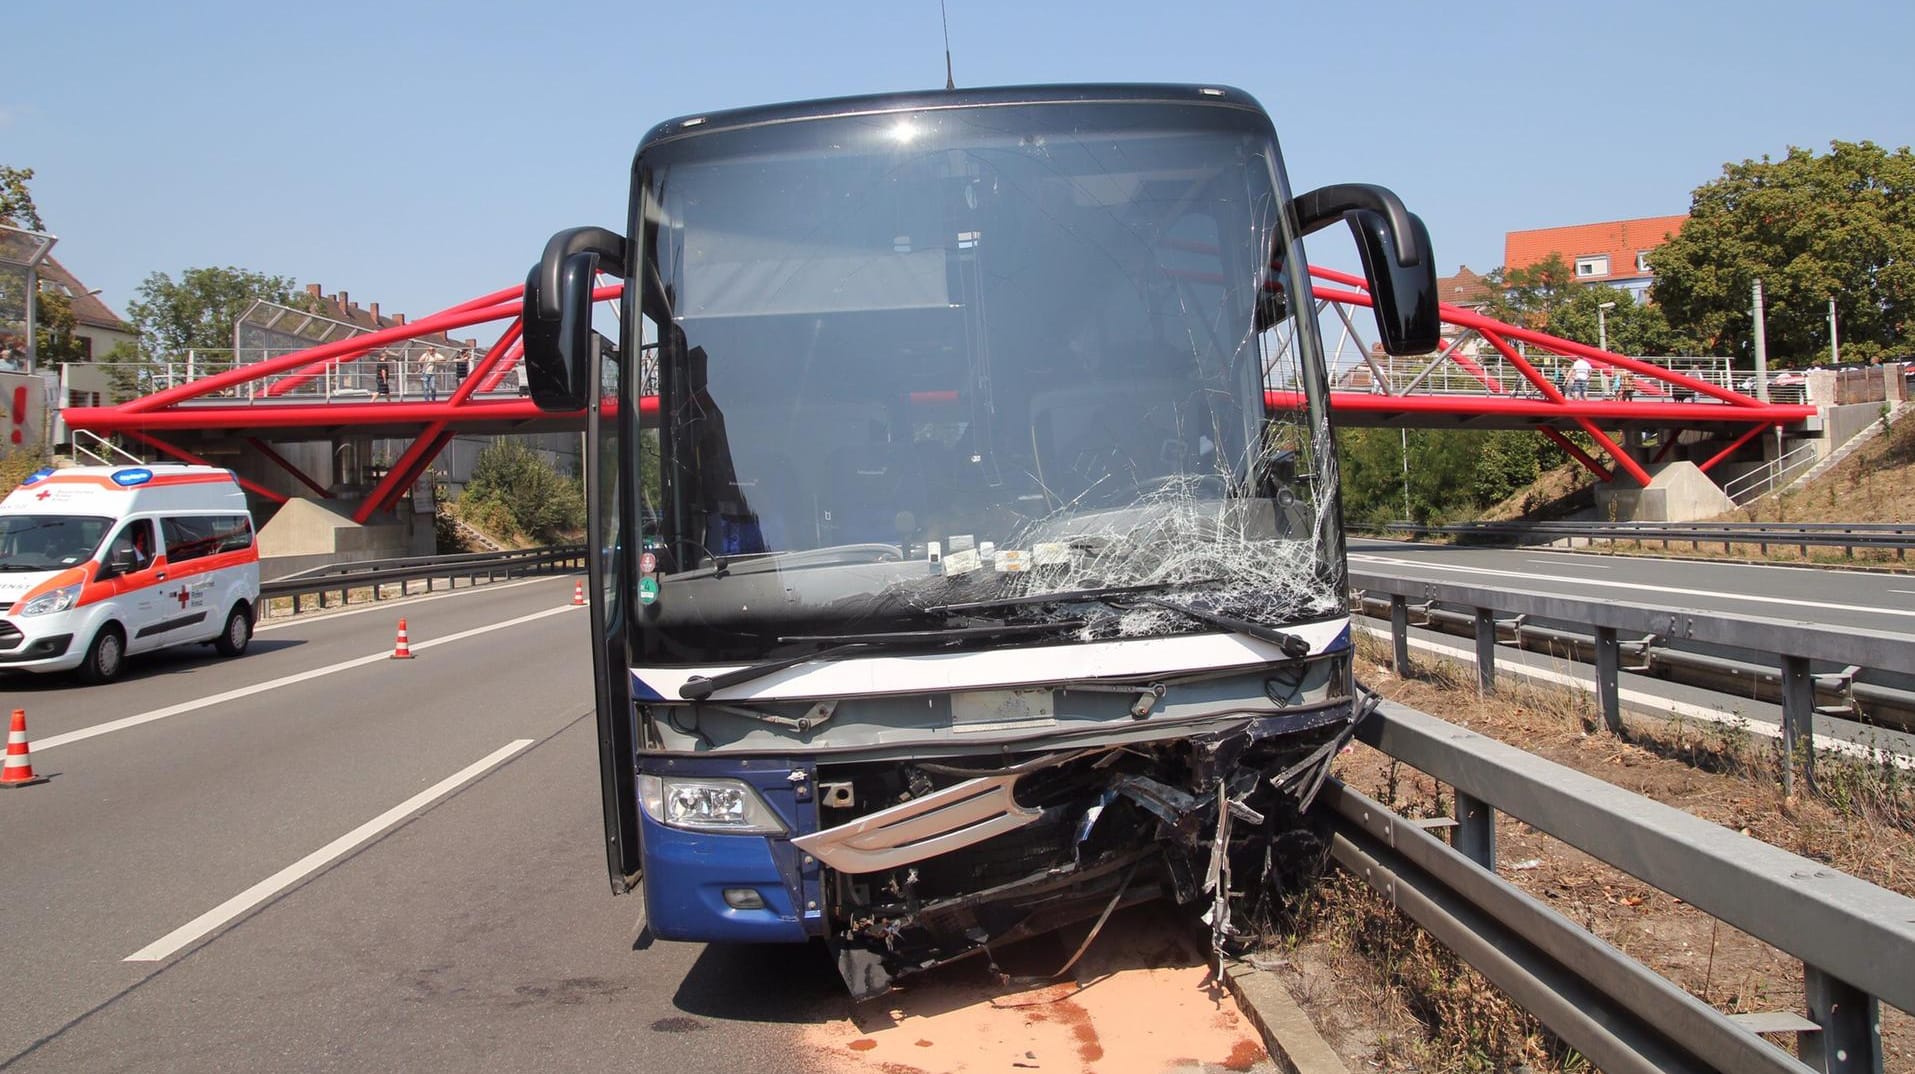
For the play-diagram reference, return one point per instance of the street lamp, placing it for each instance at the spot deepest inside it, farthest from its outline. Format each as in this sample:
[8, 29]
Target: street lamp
[1602, 325]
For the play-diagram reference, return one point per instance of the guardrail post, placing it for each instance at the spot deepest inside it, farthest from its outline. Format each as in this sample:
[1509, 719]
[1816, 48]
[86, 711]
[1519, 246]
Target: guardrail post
[1485, 651]
[1475, 836]
[1798, 721]
[1608, 674]
[1400, 632]
[1851, 1021]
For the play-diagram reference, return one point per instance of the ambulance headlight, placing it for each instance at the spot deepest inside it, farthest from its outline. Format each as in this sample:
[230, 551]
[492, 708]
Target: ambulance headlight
[707, 805]
[53, 600]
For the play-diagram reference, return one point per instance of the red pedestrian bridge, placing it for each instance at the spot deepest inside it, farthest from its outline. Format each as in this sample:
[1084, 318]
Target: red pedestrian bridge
[1488, 374]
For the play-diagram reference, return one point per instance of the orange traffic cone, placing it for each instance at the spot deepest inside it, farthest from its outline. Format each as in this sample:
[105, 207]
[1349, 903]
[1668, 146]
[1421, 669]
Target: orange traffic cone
[578, 592]
[402, 648]
[19, 768]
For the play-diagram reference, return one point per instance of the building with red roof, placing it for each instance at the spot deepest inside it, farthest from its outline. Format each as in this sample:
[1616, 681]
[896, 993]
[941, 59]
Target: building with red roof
[1466, 289]
[1615, 253]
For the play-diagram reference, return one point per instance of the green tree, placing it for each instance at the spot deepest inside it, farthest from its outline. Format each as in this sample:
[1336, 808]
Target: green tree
[1809, 227]
[54, 325]
[512, 480]
[1632, 328]
[129, 372]
[16, 201]
[1453, 474]
[1533, 295]
[198, 310]
[53, 338]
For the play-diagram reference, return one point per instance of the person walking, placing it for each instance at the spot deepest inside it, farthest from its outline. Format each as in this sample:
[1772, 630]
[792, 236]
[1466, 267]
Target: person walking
[1579, 378]
[462, 367]
[429, 374]
[383, 374]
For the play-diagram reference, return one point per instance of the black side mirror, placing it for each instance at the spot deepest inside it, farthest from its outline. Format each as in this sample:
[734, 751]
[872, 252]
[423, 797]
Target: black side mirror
[122, 561]
[557, 314]
[1395, 247]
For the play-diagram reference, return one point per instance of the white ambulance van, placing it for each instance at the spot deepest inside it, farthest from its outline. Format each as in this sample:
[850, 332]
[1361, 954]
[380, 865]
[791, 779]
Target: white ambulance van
[101, 562]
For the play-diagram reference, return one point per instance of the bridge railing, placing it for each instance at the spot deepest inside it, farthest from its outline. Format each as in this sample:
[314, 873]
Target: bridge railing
[1772, 475]
[1855, 940]
[348, 380]
[1489, 373]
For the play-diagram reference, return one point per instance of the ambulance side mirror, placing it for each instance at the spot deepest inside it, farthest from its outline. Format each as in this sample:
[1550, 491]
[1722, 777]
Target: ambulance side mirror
[122, 561]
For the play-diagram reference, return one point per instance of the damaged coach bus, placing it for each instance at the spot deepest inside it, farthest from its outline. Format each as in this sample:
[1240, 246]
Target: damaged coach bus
[967, 554]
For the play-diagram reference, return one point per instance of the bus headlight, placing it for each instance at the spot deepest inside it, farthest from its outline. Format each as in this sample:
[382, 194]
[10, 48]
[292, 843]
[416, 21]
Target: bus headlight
[54, 600]
[707, 805]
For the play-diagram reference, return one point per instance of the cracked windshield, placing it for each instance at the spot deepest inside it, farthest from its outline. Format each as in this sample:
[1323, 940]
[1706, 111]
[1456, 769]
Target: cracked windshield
[946, 365]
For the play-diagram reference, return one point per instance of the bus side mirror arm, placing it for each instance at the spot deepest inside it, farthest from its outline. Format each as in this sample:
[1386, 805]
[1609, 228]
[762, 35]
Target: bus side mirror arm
[1397, 260]
[610, 247]
[557, 314]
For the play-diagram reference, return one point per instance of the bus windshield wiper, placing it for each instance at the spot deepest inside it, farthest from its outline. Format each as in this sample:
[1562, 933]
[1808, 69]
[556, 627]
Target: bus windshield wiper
[1293, 646]
[700, 687]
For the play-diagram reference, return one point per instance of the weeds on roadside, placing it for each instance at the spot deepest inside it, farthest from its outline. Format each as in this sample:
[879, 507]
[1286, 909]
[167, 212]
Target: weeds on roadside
[1438, 1013]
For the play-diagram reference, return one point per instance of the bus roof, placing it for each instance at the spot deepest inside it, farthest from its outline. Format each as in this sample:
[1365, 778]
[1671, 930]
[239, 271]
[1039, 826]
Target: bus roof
[703, 123]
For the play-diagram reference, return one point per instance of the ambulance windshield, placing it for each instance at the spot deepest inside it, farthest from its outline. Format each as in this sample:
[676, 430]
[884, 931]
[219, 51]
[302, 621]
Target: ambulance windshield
[48, 542]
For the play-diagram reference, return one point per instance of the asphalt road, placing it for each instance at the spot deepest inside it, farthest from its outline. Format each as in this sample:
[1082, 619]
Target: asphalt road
[1860, 599]
[1847, 598]
[473, 930]
[318, 858]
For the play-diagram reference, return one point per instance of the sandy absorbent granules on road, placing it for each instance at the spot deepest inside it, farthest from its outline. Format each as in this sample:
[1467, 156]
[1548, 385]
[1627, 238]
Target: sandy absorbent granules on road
[1140, 1002]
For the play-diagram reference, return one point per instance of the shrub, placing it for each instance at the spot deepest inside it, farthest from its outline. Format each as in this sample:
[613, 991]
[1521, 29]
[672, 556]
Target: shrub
[511, 483]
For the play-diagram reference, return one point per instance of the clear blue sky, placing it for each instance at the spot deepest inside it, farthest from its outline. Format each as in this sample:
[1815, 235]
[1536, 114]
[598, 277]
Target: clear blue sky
[418, 154]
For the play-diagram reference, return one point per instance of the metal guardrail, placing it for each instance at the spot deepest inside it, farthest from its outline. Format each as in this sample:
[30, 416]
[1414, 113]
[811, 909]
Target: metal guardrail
[1856, 940]
[1846, 698]
[342, 578]
[1845, 535]
[1794, 644]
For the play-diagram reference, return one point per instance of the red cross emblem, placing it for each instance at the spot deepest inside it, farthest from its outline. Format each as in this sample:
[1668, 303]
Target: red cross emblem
[44, 493]
[183, 596]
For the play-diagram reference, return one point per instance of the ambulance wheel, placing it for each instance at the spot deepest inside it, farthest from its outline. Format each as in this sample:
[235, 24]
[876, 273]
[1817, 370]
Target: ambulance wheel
[239, 631]
[106, 657]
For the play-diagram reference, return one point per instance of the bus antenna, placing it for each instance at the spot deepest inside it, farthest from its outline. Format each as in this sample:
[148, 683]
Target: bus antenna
[949, 82]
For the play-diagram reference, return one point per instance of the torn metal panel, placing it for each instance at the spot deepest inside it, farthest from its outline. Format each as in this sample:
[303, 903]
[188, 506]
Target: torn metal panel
[954, 859]
[945, 821]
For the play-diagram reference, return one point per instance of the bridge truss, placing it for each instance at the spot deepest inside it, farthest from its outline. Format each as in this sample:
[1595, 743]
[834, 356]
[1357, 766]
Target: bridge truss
[321, 392]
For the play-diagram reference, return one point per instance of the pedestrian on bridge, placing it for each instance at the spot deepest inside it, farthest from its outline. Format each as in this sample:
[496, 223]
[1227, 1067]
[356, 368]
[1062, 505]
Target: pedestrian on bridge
[383, 374]
[429, 374]
[1579, 378]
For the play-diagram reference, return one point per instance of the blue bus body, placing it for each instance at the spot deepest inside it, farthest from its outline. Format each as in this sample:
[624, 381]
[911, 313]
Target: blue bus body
[969, 555]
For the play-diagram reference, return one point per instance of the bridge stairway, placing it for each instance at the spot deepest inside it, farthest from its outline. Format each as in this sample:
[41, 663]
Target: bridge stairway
[1836, 457]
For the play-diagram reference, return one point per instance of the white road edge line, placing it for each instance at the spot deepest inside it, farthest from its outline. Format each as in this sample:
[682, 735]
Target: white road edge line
[219, 915]
[1601, 582]
[281, 622]
[1648, 701]
[196, 704]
